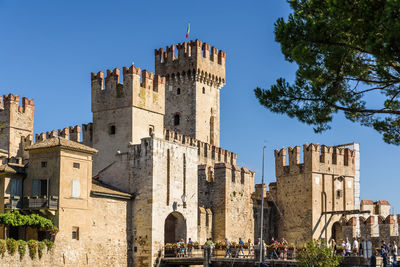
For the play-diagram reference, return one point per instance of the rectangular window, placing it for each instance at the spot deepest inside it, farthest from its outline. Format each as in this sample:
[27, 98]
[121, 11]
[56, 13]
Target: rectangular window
[39, 187]
[112, 130]
[76, 188]
[77, 165]
[16, 187]
[75, 232]
[44, 164]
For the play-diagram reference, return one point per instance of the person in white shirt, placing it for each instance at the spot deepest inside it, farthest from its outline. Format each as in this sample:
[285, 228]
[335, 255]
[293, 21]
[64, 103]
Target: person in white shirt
[347, 247]
[355, 246]
[394, 251]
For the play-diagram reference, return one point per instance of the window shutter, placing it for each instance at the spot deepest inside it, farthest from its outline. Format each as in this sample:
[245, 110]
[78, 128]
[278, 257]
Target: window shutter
[76, 188]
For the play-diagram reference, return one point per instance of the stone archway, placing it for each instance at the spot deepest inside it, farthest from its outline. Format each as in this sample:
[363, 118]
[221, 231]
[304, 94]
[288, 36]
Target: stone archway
[337, 232]
[174, 228]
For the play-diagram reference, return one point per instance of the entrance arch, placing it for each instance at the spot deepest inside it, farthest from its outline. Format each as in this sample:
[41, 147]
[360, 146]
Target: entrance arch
[174, 228]
[337, 232]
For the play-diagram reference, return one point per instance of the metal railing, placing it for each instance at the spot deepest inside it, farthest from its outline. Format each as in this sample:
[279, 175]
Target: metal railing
[13, 203]
[40, 203]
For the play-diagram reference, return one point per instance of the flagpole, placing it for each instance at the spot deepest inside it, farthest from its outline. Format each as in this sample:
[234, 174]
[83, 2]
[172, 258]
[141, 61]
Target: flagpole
[262, 209]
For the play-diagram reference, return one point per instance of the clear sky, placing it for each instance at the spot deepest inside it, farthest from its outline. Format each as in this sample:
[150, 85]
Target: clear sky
[49, 48]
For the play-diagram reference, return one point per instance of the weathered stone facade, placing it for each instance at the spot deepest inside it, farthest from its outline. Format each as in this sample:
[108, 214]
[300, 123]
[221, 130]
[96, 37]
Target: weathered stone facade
[159, 175]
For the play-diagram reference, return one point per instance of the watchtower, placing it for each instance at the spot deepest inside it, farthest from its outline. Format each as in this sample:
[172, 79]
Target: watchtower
[18, 123]
[313, 195]
[194, 77]
[123, 113]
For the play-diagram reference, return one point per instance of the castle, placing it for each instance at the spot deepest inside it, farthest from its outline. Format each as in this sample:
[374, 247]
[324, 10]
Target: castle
[148, 170]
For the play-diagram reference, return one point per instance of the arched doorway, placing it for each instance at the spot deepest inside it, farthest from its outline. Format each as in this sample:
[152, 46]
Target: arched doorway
[174, 228]
[337, 233]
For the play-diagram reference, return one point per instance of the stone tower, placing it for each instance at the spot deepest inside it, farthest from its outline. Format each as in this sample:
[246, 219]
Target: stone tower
[123, 113]
[194, 77]
[18, 123]
[312, 196]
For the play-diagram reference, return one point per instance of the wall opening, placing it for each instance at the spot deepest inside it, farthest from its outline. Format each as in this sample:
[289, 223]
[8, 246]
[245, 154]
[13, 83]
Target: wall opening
[174, 228]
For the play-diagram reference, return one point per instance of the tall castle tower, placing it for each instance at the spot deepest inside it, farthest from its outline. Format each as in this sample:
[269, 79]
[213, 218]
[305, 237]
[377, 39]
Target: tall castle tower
[124, 113]
[193, 79]
[18, 123]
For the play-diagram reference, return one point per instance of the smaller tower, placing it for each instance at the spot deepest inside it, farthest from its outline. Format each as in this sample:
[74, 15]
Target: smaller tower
[124, 113]
[16, 123]
[193, 79]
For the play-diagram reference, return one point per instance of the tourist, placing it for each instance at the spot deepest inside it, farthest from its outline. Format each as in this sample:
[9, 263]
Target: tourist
[347, 247]
[361, 247]
[189, 247]
[394, 252]
[355, 246]
[241, 244]
[384, 253]
[250, 247]
[181, 246]
[372, 262]
[274, 243]
[228, 248]
[284, 252]
[333, 245]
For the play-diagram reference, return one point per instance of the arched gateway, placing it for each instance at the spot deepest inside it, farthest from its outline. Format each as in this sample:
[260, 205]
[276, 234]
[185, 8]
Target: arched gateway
[174, 228]
[337, 233]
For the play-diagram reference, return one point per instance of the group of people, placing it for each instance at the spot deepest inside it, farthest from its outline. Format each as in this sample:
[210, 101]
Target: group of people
[240, 248]
[184, 249]
[348, 249]
[386, 251]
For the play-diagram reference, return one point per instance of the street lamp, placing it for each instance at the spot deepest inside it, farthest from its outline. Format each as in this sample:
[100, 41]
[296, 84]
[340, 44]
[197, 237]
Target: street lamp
[184, 199]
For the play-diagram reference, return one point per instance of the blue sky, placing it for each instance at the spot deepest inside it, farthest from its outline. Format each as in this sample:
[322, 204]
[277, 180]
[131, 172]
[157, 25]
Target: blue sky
[49, 48]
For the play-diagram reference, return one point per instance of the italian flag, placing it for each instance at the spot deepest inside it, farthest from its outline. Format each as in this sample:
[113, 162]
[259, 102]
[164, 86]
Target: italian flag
[188, 31]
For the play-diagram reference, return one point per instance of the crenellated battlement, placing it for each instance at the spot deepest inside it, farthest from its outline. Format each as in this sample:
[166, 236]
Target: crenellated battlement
[138, 88]
[192, 49]
[373, 228]
[10, 100]
[72, 133]
[207, 153]
[317, 158]
[87, 134]
[192, 60]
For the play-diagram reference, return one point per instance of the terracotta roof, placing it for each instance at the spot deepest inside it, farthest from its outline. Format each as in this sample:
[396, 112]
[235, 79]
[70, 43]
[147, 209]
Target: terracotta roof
[12, 168]
[383, 202]
[61, 142]
[367, 202]
[100, 188]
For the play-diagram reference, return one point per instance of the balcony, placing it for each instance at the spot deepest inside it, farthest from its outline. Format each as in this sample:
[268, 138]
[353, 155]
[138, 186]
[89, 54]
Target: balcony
[13, 203]
[41, 202]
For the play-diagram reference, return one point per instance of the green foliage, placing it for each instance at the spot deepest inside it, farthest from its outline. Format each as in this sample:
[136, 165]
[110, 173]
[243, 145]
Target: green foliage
[14, 218]
[316, 255]
[21, 249]
[348, 58]
[49, 244]
[41, 246]
[3, 247]
[12, 245]
[33, 247]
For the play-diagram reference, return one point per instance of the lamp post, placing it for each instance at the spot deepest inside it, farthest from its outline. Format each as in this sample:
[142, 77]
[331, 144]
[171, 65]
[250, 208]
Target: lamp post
[184, 199]
[262, 209]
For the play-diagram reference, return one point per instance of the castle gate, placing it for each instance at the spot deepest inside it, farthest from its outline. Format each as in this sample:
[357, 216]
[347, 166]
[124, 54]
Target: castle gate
[337, 233]
[175, 228]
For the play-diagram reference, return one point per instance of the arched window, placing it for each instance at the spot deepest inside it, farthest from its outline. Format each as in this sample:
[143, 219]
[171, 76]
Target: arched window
[176, 119]
[178, 91]
[204, 90]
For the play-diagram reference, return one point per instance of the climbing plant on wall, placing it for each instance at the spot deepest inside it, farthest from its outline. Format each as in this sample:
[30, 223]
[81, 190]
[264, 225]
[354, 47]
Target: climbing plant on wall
[15, 218]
